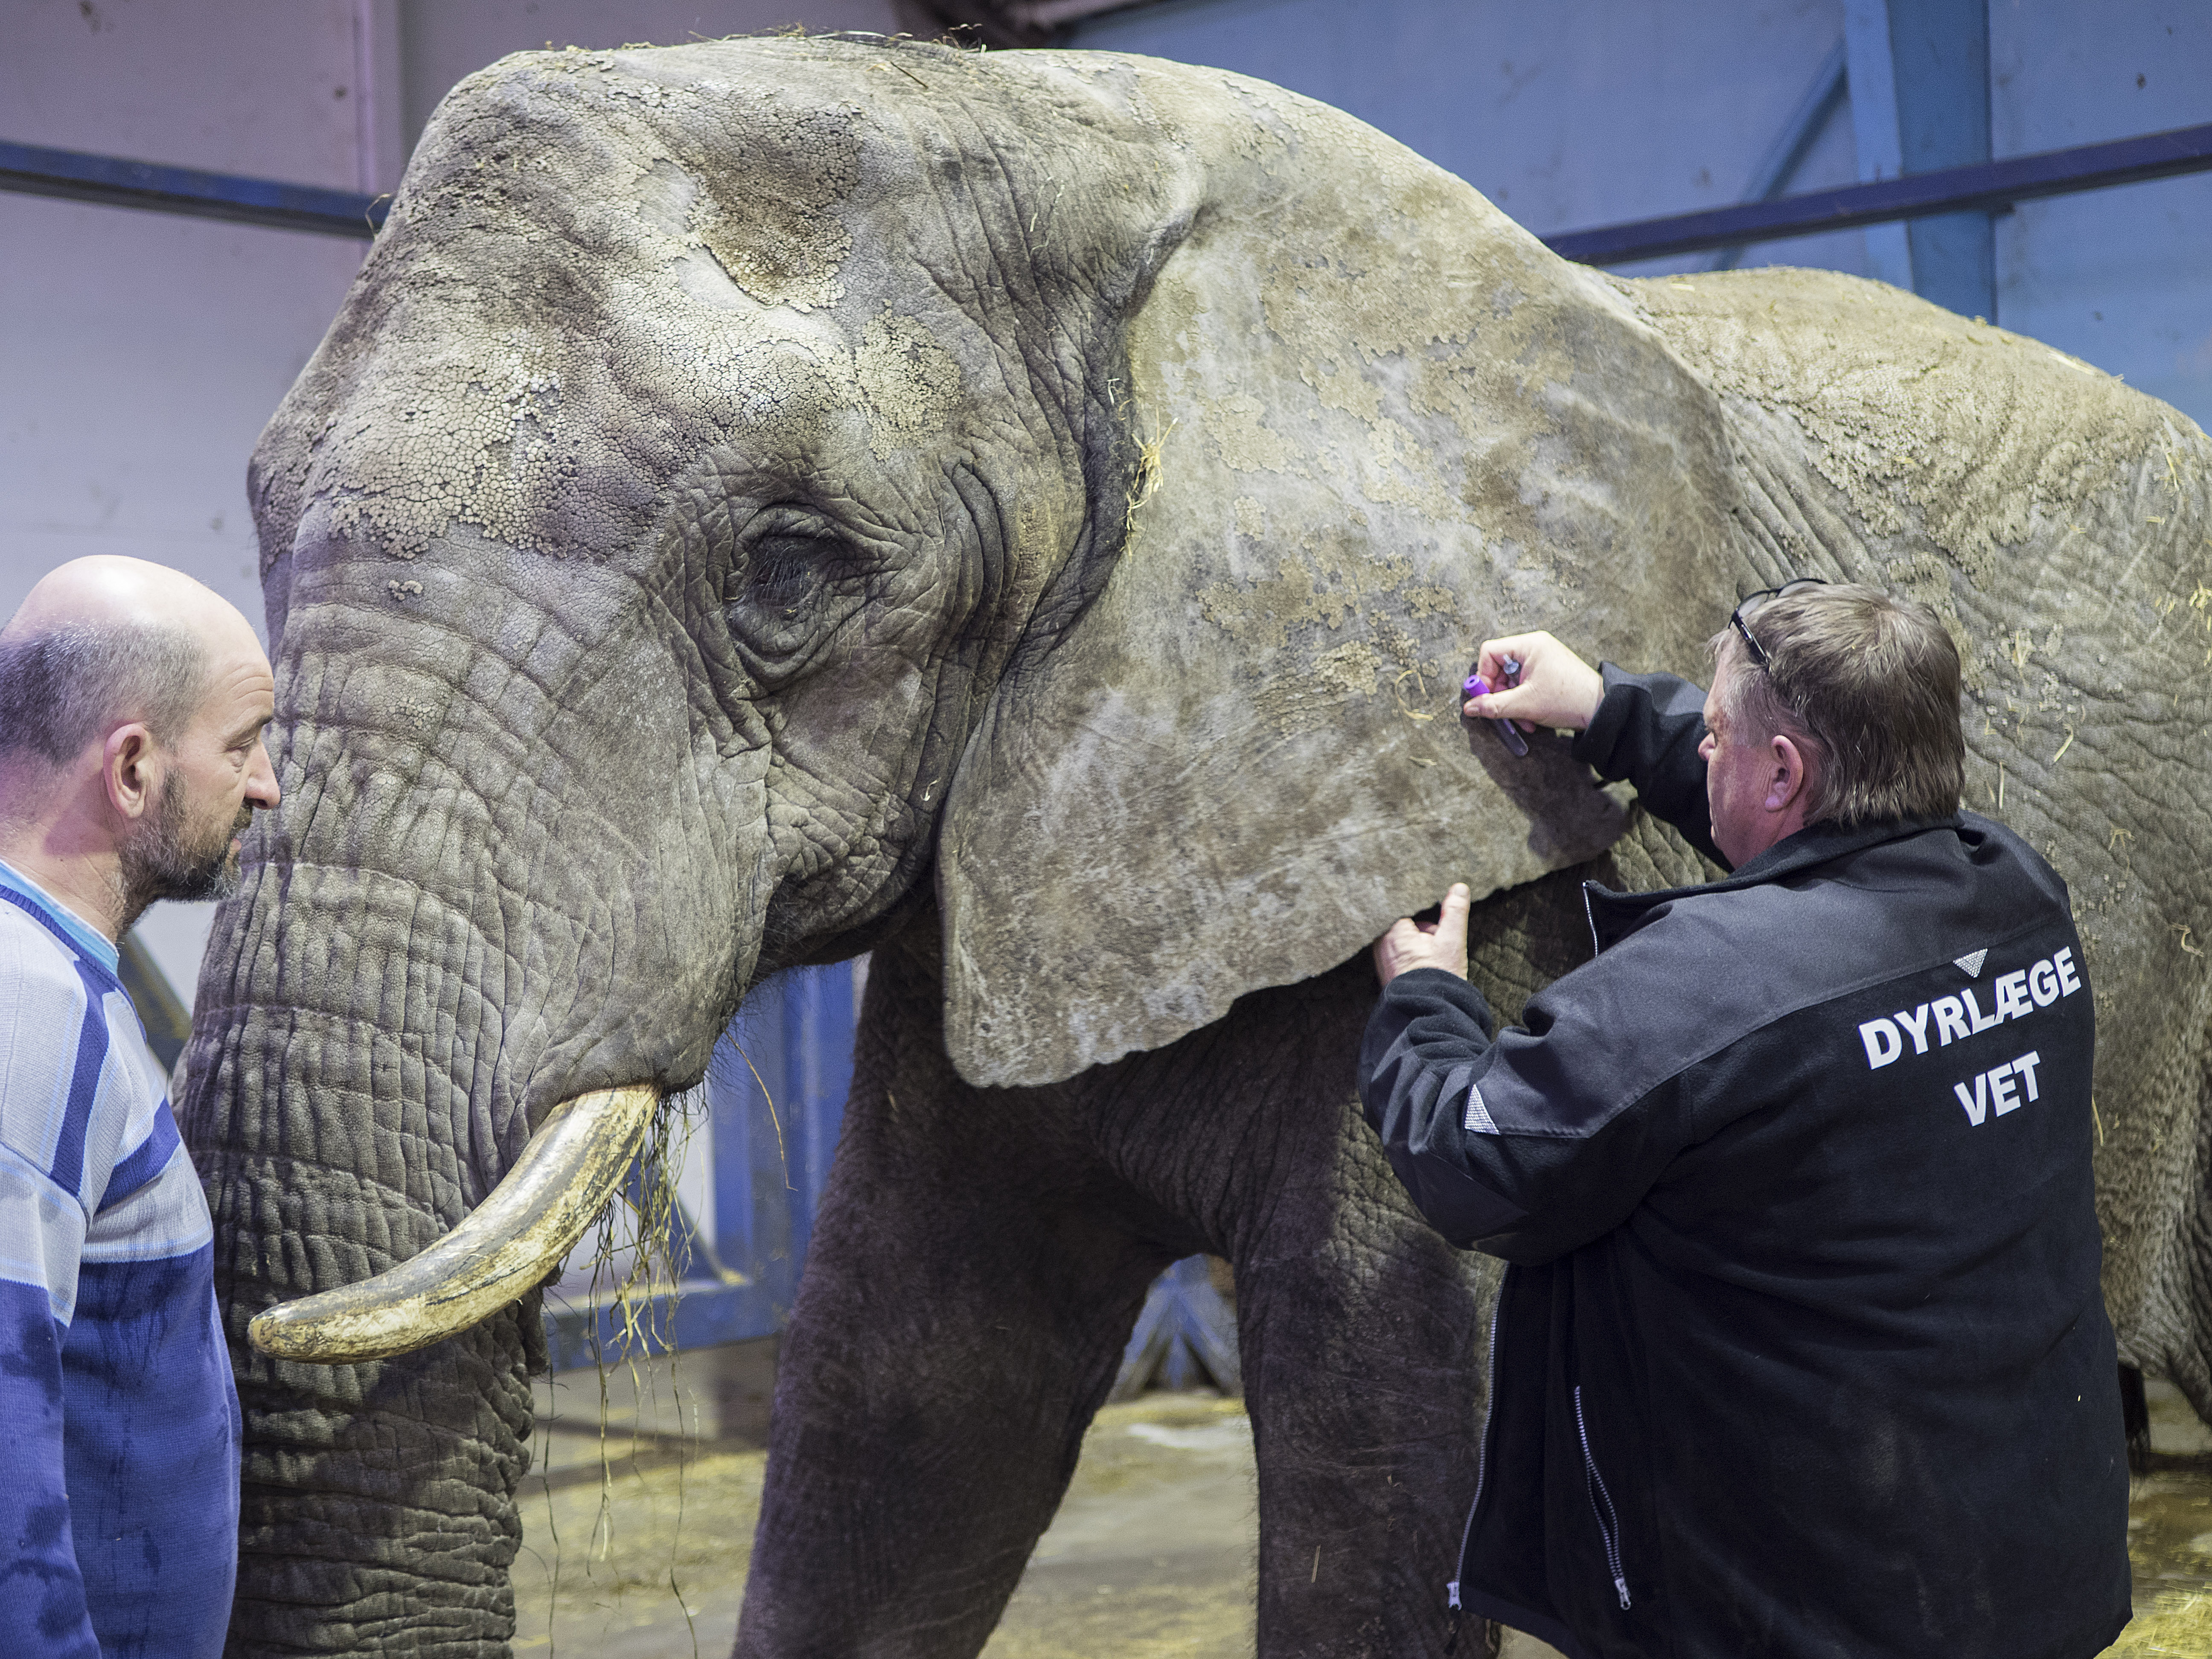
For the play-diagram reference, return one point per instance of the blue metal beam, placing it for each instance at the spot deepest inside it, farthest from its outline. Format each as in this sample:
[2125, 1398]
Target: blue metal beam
[1787, 153]
[1984, 187]
[33, 169]
[112, 181]
[1874, 130]
[1939, 53]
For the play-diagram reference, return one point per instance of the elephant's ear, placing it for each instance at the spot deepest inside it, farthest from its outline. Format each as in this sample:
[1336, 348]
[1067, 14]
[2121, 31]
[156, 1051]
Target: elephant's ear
[1383, 423]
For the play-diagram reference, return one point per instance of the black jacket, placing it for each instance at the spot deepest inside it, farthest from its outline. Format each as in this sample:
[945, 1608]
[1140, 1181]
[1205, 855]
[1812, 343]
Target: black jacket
[1802, 1352]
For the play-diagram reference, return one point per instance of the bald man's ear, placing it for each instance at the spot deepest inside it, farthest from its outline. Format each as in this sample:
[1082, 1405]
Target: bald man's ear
[131, 768]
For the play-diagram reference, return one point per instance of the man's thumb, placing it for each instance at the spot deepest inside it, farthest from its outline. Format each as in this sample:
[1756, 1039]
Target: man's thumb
[1451, 919]
[1500, 703]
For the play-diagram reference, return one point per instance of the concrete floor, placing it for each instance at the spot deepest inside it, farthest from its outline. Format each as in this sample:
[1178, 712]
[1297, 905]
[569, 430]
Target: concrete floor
[636, 1536]
[635, 1544]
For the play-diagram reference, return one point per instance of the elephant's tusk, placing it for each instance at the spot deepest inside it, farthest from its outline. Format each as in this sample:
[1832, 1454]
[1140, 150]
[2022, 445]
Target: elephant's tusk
[508, 1243]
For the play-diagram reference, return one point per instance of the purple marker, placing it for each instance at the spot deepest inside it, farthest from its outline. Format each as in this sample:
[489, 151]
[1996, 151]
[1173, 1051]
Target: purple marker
[1476, 686]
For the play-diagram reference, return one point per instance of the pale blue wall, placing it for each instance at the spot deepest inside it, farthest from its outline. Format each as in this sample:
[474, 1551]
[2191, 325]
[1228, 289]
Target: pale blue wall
[2121, 279]
[1583, 112]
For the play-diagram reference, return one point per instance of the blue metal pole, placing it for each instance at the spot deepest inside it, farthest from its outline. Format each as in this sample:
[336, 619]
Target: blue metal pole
[1980, 187]
[767, 1134]
[731, 1105]
[1940, 56]
[818, 1019]
[117, 181]
[1872, 73]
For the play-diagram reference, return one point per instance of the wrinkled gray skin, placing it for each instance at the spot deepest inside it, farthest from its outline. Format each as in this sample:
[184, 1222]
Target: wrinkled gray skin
[1027, 513]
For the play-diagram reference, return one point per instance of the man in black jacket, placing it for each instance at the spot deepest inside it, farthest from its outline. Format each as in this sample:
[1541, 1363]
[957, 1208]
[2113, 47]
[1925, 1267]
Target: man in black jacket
[1802, 1352]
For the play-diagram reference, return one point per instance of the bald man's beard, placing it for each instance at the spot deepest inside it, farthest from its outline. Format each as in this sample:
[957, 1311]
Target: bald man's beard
[172, 857]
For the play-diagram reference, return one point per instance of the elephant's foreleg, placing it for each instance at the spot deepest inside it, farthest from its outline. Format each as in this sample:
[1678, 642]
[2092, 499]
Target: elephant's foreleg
[1363, 1339]
[961, 1318]
[1361, 1330]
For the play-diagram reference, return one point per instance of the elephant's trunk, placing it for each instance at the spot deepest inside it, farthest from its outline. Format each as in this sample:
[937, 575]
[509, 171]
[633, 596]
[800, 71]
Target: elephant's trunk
[510, 1243]
[340, 1143]
[490, 925]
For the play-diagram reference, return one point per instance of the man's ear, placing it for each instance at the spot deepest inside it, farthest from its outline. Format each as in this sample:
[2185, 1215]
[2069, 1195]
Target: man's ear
[131, 765]
[1790, 784]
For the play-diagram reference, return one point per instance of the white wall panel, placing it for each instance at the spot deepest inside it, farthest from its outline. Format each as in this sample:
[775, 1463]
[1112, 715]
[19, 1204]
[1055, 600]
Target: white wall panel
[140, 352]
[242, 86]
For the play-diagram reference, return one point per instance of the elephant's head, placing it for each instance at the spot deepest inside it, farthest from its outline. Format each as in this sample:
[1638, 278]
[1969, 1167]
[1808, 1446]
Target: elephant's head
[751, 482]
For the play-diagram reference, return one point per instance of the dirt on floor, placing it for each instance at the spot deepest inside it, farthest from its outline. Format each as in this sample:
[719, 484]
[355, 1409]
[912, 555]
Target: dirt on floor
[638, 1523]
[635, 1541]
[2170, 1538]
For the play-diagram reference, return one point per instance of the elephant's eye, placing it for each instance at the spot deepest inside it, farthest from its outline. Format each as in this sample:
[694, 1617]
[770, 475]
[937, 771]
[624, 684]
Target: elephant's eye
[783, 569]
[792, 580]
[785, 560]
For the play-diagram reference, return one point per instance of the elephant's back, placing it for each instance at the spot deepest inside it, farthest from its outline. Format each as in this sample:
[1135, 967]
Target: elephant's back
[1980, 439]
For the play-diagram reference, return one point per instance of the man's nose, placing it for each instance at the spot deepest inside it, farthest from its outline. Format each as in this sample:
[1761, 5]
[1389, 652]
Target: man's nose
[261, 778]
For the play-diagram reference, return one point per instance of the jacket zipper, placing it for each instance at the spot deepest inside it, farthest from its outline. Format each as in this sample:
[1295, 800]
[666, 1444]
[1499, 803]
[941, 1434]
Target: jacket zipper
[1482, 1449]
[1609, 1523]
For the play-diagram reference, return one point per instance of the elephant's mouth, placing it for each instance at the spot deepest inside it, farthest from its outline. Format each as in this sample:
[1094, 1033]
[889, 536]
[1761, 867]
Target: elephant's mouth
[508, 1243]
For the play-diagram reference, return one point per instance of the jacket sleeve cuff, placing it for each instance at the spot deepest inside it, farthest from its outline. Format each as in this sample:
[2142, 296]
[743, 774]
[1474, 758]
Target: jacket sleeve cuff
[1647, 732]
[1631, 721]
[1429, 1037]
[1451, 1010]
[1596, 744]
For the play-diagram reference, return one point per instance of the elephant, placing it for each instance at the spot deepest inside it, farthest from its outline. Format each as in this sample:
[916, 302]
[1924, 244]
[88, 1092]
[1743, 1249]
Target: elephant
[1026, 515]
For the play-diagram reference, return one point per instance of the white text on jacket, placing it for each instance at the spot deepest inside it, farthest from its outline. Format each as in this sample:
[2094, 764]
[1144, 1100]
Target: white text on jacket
[1996, 1088]
[2017, 995]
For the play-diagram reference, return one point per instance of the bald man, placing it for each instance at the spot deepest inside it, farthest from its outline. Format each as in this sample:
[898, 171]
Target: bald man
[132, 703]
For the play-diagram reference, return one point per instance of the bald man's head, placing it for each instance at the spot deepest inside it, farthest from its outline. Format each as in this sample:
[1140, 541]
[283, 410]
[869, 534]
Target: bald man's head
[132, 706]
[103, 641]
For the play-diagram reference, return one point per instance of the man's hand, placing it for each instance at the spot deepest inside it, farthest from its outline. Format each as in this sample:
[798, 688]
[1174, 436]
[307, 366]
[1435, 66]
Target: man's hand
[1438, 944]
[1557, 689]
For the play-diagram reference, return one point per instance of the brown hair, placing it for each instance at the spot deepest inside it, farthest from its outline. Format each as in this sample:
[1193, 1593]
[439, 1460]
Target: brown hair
[1870, 682]
[69, 685]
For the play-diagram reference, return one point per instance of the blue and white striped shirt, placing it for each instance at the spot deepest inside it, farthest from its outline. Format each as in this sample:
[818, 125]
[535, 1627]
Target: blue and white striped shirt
[118, 1418]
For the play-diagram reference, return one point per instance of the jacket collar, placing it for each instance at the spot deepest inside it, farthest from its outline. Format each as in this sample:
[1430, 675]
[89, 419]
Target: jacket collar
[1613, 916]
